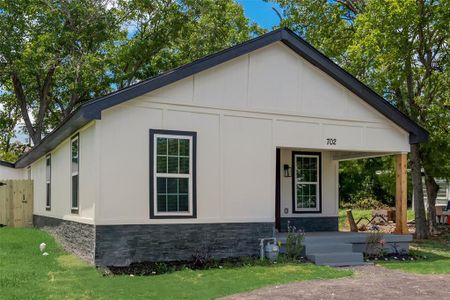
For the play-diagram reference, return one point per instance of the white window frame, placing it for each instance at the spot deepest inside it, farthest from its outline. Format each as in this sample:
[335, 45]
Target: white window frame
[156, 175]
[48, 181]
[317, 183]
[76, 173]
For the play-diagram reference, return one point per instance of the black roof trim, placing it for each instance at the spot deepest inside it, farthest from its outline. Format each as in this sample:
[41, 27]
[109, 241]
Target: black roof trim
[6, 164]
[92, 110]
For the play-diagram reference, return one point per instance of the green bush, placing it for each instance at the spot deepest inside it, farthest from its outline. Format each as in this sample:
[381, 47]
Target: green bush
[365, 203]
[294, 243]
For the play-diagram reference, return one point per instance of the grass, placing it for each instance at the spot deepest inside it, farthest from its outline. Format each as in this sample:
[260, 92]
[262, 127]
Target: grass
[437, 252]
[359, 213]
[26, 274]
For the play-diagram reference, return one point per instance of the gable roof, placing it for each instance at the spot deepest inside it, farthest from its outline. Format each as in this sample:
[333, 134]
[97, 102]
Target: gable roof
[91, 110]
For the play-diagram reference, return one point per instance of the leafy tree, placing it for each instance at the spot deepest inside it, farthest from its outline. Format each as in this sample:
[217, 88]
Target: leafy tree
[10, 150]
[400, 48]
[51, 54]
[368, 178]
[56, 55]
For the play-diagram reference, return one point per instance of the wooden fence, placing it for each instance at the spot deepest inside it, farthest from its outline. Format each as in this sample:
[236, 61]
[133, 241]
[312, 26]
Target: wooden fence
[16, 203]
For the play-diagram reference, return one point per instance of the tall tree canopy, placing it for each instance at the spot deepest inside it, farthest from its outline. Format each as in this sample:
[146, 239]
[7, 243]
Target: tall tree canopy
[400, 48]
[56, 54]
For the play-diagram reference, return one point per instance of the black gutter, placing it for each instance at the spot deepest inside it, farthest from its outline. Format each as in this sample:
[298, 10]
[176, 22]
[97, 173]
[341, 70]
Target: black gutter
[92, 110]
[69, 126]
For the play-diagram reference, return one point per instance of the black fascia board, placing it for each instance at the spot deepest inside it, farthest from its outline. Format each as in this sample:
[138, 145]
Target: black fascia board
[92, 110]
[69, 126]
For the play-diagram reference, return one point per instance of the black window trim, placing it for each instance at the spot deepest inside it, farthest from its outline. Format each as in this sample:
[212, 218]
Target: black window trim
[294, 207]
[152, 189]
[48, 191]
[75, 210]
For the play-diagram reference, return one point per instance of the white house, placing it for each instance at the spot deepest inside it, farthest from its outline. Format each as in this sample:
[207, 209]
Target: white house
[215, 154]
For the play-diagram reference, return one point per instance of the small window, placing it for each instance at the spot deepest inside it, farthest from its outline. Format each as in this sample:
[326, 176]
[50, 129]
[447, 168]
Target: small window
[75, 160]
[48, 182]
[172, 173]
[306, 182]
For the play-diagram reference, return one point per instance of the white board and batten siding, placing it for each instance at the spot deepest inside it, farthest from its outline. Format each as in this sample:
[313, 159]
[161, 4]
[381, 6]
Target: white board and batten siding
[61, 179]
[242, 110]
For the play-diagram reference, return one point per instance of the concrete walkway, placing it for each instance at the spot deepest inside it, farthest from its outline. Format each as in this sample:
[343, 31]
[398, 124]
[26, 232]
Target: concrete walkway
[368, 282]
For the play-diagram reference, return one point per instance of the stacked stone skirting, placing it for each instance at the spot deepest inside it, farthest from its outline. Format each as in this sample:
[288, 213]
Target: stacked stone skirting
[310, 224]
[120, 245]
[77, 238]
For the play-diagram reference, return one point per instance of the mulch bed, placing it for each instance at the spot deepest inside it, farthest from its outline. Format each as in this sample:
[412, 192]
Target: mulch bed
[396, 257]
[157, 268]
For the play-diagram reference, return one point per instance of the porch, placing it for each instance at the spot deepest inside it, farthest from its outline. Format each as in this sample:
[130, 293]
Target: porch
[343, 248]
[307, 188]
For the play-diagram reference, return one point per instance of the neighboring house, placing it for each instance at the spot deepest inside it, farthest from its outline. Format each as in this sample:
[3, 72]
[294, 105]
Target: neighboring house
[211, 156]
[7, 171]
[443, 194]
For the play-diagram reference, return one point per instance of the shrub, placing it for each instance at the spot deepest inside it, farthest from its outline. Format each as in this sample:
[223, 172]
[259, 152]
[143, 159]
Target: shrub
[294, 243]
[365, 203]
[375, 244]
[202, 257]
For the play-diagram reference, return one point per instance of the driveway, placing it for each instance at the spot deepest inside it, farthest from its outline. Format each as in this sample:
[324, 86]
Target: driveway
[368, 282]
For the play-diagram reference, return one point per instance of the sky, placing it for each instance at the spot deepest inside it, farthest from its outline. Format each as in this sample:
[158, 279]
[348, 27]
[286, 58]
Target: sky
[261, 12]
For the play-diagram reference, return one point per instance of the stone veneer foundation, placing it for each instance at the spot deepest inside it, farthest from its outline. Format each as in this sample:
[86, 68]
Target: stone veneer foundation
[121, 245]
[78, 238]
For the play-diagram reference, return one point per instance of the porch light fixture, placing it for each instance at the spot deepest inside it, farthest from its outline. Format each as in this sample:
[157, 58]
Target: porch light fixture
[287, 170]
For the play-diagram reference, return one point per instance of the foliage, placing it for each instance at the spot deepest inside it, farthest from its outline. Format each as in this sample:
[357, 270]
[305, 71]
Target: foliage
[436, 250]
[64, 276]
[201, 258]
[10, 149]
[294, 242]
[400, 48]
[374, 244]
[366, 179]
[364, 203]
[56, 55]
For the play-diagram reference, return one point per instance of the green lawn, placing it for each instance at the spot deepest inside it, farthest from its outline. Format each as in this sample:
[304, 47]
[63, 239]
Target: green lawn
[26, 274]
[437, 251]
[358, 213]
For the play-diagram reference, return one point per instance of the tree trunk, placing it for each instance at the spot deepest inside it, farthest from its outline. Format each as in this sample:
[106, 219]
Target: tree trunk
[432, 190]
[419, 207]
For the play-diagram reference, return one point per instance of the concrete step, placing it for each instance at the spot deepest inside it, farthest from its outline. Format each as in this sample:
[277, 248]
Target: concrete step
[312, 248]
[334, 258]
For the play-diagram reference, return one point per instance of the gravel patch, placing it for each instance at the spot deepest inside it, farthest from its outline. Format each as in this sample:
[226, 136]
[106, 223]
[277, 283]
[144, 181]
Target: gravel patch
[368, 282]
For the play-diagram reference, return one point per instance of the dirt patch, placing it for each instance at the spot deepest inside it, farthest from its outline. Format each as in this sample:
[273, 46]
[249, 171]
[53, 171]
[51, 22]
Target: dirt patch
[368, 282]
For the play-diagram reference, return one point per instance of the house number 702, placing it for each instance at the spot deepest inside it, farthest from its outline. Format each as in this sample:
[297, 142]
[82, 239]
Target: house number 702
[331, 141]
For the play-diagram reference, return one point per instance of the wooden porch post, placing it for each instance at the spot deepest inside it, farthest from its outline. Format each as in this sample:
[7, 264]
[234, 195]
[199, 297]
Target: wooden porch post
[401, 194]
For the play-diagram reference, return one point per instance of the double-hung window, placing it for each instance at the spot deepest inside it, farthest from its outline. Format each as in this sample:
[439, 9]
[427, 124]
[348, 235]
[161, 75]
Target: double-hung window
[306, 182]
[75, 168]
[172, 173]
[48, 182]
